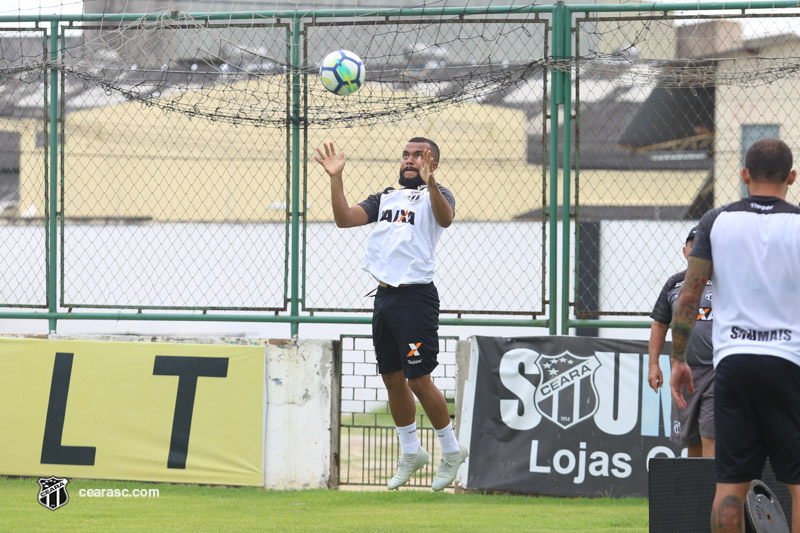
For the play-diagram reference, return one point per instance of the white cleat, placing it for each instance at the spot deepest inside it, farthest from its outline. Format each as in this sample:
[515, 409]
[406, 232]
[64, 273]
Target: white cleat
[448, 467]
[407, 464]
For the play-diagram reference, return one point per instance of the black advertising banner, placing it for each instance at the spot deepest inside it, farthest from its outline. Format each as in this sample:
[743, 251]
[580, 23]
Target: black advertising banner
[565, 416]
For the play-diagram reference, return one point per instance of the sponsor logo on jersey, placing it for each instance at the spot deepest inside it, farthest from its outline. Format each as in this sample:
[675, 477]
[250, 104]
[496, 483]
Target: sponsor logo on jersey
[705, 313]
[761, 207]
[397, 215]
[415, 196]
[761, 335]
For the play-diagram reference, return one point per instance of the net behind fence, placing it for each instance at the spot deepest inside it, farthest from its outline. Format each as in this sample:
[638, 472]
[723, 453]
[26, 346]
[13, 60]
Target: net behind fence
[176, 156]
[448, 79]
[666, 106]
[185, 139]
[175, 179]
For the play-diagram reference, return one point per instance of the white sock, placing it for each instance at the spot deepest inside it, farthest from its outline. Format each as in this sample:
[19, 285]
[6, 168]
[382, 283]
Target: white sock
[409, 441]
[447, 439]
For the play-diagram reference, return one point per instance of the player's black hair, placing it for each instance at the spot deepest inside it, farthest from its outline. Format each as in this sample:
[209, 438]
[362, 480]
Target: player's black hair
[434, 147]
[769, 160]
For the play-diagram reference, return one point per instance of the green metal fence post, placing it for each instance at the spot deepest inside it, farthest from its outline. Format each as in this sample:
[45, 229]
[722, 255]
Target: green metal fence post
[556, 99]
[52, 193]
[296, 69]
[566, 96]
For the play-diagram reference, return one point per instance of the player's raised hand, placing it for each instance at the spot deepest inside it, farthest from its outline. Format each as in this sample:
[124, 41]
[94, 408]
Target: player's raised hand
[426, 170]
[332, 163]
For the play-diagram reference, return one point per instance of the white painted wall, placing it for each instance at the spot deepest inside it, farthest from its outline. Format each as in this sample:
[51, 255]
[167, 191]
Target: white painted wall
[636, 258]
[302, 396]
[481, 266]
[771, 99]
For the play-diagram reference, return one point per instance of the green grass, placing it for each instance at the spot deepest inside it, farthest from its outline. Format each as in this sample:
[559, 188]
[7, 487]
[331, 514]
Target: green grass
[195, 508]
[384, 418]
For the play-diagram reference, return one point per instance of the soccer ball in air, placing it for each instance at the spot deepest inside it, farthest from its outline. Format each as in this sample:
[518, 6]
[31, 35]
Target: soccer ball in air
[342, 72]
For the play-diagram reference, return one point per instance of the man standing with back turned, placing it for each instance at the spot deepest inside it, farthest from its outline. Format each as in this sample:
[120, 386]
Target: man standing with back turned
[405, 320]
[751, 248]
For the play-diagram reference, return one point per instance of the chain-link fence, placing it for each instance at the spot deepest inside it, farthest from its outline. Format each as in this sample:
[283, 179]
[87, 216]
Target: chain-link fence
[165, 161]
[181, 185]
[164, 208]
[484, 155]
[665, 108]
[24, 150]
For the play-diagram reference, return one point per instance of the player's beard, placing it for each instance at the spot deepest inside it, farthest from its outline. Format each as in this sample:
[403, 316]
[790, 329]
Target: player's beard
[410, 183]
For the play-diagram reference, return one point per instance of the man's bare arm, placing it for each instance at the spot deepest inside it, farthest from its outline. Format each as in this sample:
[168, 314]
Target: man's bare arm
[442, 211]
[697, 276]
[344, 215]
[658, 335]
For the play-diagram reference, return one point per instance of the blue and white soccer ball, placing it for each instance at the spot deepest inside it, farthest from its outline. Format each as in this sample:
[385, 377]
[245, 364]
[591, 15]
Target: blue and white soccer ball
[342, 72]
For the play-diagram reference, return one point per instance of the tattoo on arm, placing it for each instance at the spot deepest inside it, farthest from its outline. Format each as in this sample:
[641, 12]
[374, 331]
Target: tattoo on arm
[682, 329]
[680, 339]
[688, 302]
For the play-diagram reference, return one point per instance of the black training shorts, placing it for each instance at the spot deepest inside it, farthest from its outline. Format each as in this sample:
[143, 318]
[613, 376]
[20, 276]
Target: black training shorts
[405, 329]
[756, 415]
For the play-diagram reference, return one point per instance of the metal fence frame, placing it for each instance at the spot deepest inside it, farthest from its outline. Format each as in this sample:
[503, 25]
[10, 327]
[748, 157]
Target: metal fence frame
[560, 80]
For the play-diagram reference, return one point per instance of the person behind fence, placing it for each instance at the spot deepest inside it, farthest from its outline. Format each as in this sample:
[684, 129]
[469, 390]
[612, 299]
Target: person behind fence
[751, 248]
[405, 320]
[693, 426]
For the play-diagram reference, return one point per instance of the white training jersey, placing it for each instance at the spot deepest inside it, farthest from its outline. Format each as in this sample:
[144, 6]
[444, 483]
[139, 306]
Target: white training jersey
[754, 246]
[401, 248]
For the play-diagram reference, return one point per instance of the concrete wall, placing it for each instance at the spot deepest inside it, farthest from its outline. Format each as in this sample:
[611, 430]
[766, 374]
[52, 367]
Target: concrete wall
[708, 38]
[302, 426]
[755, 102]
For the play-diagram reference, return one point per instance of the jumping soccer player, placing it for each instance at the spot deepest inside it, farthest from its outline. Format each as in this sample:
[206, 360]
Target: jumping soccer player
[752, 250]
[405, 319]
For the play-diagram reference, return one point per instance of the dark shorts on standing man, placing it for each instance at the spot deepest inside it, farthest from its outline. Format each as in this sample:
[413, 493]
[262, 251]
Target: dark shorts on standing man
[697, 420]
[756, 416]
[405, 329]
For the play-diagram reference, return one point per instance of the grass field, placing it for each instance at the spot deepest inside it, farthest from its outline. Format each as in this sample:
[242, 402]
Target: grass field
[195, 508]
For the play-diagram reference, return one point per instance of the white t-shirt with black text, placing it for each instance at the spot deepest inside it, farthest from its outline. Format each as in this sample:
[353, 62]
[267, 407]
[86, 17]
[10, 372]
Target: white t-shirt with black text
[754, 247]
[401, 249]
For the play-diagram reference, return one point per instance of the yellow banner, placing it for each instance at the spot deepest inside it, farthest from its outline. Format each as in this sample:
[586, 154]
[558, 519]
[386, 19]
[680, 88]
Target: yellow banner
[189, 413]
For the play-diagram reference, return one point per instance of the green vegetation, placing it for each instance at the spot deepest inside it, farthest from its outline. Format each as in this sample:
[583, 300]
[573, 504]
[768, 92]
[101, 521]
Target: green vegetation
[187, 508]
[383, 418]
